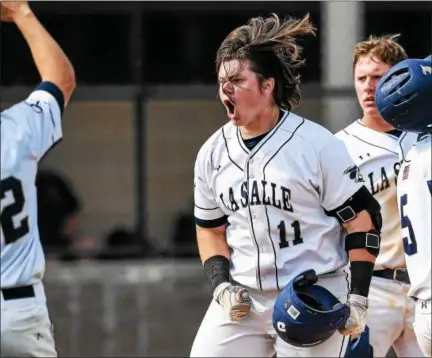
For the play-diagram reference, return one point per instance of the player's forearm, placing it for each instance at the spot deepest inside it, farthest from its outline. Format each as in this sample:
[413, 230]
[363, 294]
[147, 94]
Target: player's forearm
[214, 252]
[212, 242]
[361, 255]
[50, 60]
[362, 261]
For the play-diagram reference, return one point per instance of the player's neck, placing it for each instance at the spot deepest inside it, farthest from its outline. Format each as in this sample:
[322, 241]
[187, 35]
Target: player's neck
[262, 124]
[376, 123]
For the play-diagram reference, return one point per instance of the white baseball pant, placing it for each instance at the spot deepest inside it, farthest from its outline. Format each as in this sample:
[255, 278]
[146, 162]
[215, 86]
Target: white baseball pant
[255, 336]
[26, 328]
[390, 318]
[422, 326]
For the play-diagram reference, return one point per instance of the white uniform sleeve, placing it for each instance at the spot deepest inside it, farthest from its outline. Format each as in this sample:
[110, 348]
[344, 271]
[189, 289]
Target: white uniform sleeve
[38, 118]
[427, 164]
[207, 212]
[341, 178]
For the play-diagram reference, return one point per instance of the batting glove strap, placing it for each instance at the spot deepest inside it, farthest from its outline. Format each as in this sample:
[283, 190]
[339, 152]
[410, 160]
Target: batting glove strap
[219, 291]
[358, 301]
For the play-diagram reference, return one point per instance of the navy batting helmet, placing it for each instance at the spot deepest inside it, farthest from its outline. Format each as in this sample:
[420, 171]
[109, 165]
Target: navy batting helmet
[404, 95]
[306, 314]
[360, 347]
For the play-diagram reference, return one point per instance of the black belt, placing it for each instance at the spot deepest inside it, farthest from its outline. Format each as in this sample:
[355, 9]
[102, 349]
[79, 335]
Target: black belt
[16, 293]
[399, 274]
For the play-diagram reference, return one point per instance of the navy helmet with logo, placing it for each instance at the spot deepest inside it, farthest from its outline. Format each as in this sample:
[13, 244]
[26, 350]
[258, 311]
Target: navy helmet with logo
[403, 96]
[306, 314]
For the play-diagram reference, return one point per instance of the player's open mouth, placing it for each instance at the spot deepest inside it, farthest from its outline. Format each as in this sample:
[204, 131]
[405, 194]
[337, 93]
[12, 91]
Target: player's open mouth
[230, 107]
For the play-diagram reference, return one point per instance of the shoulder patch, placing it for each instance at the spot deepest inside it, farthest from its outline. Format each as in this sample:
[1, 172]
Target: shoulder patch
[354, 174]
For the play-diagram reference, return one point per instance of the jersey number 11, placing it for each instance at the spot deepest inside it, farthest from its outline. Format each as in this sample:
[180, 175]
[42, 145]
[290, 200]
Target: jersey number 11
[283, 242]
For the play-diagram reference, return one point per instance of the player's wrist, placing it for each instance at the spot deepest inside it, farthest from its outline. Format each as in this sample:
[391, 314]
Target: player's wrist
[22, 15]
[358, 301]
[361, 277]
[217, 270]
[219, 291]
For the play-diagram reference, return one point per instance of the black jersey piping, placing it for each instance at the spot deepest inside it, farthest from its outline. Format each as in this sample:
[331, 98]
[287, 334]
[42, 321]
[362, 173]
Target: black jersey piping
[229, 156]
[373, 145]
[265, 207]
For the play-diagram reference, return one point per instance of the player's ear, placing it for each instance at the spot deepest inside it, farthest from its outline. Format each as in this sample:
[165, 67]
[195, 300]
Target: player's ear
[268, 85]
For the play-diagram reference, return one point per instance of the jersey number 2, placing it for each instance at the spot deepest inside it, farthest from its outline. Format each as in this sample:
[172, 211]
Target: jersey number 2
[410, 248]
[283, 242]
[11, 231]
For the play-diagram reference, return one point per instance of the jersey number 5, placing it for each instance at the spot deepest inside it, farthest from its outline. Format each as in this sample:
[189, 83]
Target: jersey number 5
[12, 232]
[409, 242]
[283, 242]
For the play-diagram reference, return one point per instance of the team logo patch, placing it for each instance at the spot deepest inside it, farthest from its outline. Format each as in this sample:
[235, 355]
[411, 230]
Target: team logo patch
[354, 174]
[35, 105]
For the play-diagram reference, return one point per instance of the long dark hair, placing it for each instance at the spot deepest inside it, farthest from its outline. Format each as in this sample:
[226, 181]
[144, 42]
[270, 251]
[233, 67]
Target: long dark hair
[269, 45]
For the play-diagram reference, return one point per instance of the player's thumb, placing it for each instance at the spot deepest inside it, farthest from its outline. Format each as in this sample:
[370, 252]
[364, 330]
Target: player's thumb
[242, 296]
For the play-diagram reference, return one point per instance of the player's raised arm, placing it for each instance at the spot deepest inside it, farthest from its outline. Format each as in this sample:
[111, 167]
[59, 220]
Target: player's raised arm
[50, 60]
[28, 130]
[37, 120]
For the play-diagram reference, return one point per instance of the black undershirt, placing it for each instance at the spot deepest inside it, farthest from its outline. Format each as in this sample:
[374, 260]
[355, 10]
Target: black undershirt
[395, 132]
[250, 143]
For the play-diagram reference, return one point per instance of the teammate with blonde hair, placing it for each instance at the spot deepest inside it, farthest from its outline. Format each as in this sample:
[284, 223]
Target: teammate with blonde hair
[378, 149]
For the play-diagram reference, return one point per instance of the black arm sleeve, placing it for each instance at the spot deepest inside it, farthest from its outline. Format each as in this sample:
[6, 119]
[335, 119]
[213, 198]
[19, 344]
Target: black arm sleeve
[361, 277]
[217, 270]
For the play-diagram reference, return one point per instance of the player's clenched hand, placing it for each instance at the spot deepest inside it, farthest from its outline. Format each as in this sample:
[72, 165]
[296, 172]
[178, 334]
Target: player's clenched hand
[356, 322]
[234, 299]
[9, 10]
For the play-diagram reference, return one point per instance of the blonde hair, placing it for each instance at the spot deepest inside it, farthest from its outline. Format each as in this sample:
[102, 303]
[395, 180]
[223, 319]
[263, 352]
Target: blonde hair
[386, 48]
[270, 46]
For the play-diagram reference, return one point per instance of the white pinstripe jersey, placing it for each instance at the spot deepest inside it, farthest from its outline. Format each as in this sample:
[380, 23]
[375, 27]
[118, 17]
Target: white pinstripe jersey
[415, 207]
[273, 198]
[378, 155]
[28, 130]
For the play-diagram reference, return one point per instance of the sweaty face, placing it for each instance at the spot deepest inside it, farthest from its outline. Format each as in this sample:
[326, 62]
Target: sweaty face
[240, 93]
[367, 73]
